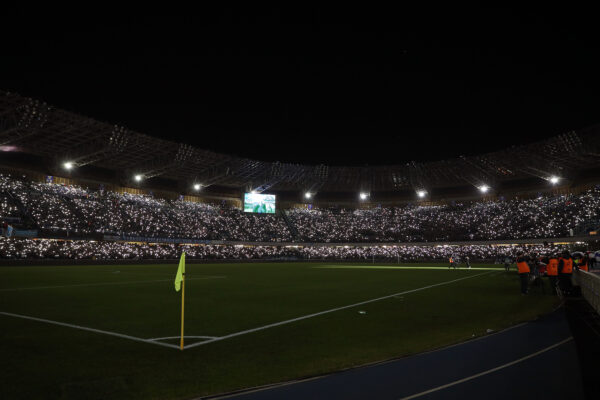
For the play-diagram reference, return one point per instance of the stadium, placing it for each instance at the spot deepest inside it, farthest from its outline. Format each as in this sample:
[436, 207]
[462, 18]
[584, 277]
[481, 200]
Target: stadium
[467, 276]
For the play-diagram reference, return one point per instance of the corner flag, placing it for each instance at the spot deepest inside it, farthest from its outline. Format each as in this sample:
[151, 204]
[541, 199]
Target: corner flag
[180, 273]
[179, 282]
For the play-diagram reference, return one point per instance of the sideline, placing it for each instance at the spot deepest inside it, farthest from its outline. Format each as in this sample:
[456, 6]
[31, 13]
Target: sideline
[260, 328]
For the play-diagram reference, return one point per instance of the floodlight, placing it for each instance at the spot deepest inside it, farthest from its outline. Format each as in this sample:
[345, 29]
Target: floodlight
[8, 148]
[138, 178]
[68, 165]
[484, 188]
[308, 195]
[421, 193]
[554, 179]
[363, 195]
[197, 186]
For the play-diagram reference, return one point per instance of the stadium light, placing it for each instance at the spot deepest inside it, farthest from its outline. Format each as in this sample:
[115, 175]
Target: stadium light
[307, 195]
[137, 178]
[554, 179]
[421, 193]
[68, 165]
[9, 148]
[363, 195]
[197, 186]
[484, 188]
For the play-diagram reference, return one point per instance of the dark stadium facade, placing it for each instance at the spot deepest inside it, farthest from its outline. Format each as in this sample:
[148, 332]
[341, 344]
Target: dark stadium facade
[40, 138]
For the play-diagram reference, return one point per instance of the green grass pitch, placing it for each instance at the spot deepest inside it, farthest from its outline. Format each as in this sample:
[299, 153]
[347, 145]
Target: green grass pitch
[42, 360]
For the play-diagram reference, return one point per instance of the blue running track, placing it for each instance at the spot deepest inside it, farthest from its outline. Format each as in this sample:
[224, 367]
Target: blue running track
[536, 360]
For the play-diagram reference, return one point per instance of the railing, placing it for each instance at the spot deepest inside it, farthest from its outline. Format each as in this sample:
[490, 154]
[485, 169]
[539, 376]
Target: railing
[289, 223]
[590, 287]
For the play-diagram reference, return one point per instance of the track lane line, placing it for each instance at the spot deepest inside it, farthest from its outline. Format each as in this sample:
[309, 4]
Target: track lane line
[489, 371]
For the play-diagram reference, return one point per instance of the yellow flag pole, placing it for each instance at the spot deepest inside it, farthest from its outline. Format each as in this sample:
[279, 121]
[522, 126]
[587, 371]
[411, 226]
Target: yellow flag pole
[182, 309]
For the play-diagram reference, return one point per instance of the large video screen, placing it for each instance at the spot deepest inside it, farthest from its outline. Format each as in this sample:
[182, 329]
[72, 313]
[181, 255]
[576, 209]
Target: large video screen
[259, 203]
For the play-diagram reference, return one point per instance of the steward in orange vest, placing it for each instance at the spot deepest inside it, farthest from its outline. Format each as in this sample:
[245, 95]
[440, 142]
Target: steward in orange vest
[583, 263]
[565, 264]
[565, 270]
[552, 271]
[523, 269]
[523, 266]
[452, 263]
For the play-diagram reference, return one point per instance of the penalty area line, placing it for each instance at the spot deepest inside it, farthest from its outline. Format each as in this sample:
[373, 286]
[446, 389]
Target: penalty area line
[85, 328]
[289, 321]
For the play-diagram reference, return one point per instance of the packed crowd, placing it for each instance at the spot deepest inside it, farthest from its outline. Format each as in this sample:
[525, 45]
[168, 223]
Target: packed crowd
[543, 217]
[19, 248]
[80, 211]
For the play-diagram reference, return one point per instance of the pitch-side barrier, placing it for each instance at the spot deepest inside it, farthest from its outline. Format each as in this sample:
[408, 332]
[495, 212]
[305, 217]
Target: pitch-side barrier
[590, 287]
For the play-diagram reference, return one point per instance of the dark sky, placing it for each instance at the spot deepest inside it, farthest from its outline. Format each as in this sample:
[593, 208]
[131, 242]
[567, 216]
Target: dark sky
[333, 86]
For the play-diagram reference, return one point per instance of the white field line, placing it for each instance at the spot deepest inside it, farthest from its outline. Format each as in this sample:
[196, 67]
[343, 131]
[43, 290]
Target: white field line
[489, 371]
[214, 339]
[415, 267]
[107, 283]
[244, 392]
[185, 337]
[260, 328]
[85, 328]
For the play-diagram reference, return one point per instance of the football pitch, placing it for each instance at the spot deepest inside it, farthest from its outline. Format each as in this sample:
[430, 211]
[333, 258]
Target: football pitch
[112, 331]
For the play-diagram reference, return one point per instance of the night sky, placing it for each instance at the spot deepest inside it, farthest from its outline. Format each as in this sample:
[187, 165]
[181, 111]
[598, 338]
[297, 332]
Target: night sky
[332, 86]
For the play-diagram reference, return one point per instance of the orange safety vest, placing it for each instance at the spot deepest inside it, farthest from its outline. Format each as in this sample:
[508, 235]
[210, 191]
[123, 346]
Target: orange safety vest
[583, 265]
[567, 265]
[451, 260]
[552, 267]
[523, 267]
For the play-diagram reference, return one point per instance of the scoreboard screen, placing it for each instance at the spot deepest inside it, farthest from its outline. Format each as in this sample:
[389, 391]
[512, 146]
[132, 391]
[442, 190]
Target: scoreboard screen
[259, 203]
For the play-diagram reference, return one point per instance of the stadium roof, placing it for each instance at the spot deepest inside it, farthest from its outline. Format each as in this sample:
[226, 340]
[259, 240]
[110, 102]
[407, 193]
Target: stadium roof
[35, 127]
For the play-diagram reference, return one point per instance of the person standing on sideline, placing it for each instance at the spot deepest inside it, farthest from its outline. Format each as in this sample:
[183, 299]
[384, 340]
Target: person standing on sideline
[552, 271]
[583, 263]
[523, 269]
[452, 262]
[591, 259]
[507, 262]
[467, 263]
[565, 270]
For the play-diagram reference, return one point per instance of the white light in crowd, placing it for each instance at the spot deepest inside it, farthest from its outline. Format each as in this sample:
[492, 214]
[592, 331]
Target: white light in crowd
[554, 180]
[484, 188]
[308, 195]
[363, 195]
[197, 186]
[138, 178]
[9, 148]
[421, 193]
[68, 165]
